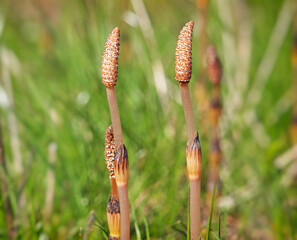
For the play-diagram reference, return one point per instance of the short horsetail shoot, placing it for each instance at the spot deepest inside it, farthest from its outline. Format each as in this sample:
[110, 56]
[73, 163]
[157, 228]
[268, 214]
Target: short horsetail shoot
[109, 74]
[183, 72]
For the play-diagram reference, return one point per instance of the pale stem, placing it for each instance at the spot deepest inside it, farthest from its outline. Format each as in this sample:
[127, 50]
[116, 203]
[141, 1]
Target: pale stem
[115, 116]
[188, 110]
[195, 222]
[125, 212]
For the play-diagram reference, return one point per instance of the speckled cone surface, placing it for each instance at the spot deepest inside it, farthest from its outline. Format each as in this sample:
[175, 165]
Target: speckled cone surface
[109, 71]
[109, 150]
[183, 54]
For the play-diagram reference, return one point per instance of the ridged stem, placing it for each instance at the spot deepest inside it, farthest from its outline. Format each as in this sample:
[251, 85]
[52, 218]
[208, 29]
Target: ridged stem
[115, 116]
[195, 222]
[125, 212]
[188, 111]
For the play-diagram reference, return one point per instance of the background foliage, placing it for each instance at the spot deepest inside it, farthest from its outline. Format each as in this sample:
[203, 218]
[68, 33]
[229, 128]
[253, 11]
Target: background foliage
[52, 103]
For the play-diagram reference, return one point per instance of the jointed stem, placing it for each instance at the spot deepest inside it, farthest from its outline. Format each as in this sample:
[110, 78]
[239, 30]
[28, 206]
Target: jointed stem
[183, 72]
[109, 73]
[123, 190]
[195, 222]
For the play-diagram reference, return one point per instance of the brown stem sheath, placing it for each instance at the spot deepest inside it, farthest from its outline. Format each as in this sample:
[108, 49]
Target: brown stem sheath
[194, 168]
[121, 172]
[113, 217]
[115, 116]
[188, 111]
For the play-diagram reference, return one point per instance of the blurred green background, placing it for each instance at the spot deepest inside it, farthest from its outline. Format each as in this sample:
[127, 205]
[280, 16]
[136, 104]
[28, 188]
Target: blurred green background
[54, 113]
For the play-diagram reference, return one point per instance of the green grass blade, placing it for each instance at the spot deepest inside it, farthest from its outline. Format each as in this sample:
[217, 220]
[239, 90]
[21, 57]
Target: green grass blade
[147, 230]
[98, 224]
[178, 227]
[137, 231]
[104, 232]
[210, 212]
[215, 236]
[219, 228]
[136, 226]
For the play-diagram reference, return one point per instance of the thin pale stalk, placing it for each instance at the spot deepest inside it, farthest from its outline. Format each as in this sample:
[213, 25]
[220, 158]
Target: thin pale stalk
[188, 111]
[195, 222]
[114, 188]
[194, 164]
[115, 116]
[125, 212]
